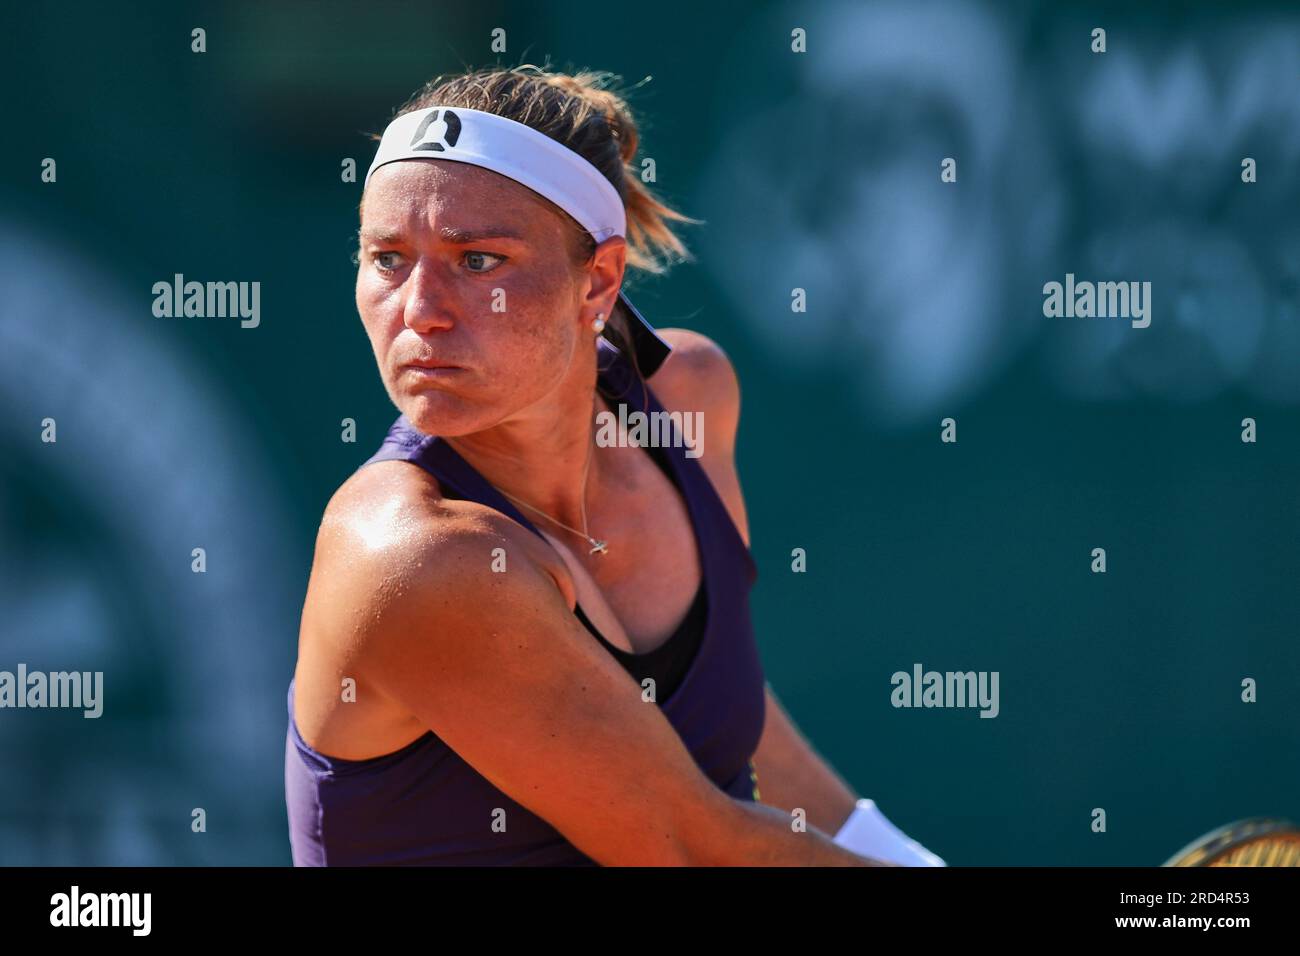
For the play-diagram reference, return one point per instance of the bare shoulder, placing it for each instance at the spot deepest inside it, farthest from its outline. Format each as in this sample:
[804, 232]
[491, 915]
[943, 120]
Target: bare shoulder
[697, 370]
[392, 549]
[394, 512]
[699, 376]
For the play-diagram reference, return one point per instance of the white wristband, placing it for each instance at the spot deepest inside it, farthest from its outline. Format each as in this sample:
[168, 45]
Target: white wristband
[868, 832]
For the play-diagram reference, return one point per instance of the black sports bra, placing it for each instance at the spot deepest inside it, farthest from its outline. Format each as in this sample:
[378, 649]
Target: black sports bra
[668, 663]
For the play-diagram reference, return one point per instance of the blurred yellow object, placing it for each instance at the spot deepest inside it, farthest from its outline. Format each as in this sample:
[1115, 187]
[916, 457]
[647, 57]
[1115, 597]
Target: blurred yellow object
[1259, 841]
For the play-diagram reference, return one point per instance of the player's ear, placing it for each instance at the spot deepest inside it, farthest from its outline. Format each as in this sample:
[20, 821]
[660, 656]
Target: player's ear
[608, 263]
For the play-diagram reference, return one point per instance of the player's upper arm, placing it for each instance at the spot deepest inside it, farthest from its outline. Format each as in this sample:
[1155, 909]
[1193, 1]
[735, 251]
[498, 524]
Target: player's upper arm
[496, 664]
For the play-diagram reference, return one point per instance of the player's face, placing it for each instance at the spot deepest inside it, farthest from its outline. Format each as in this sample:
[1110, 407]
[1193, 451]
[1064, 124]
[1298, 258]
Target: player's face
[463, 267]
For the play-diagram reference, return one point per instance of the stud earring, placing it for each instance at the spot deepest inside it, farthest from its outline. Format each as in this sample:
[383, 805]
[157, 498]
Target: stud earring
[598, 323]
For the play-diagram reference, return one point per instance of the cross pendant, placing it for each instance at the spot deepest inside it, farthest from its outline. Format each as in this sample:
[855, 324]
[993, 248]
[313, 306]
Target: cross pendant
[598, 546]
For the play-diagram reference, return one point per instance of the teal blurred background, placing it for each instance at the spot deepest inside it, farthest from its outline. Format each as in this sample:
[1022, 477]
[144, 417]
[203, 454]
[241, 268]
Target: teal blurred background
[816, 170]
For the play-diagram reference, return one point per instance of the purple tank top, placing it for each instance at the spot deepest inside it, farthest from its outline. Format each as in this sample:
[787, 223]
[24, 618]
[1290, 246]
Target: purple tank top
[424, 805]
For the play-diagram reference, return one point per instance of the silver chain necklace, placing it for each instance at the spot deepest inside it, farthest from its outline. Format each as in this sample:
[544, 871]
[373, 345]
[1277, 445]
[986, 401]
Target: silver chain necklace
[597, 546]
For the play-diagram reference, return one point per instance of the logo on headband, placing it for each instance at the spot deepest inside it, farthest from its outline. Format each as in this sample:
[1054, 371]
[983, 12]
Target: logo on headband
[437, 132]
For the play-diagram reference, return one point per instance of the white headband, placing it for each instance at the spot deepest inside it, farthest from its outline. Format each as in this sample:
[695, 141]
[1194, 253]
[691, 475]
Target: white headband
[512, 149]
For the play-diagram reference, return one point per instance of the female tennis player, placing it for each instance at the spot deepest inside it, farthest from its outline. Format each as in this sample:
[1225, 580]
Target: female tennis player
[522, 644]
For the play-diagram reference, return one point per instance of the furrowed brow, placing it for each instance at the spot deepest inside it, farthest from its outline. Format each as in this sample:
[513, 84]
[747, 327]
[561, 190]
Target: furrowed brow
[449, 234]
[380, 237]
[462, 236]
